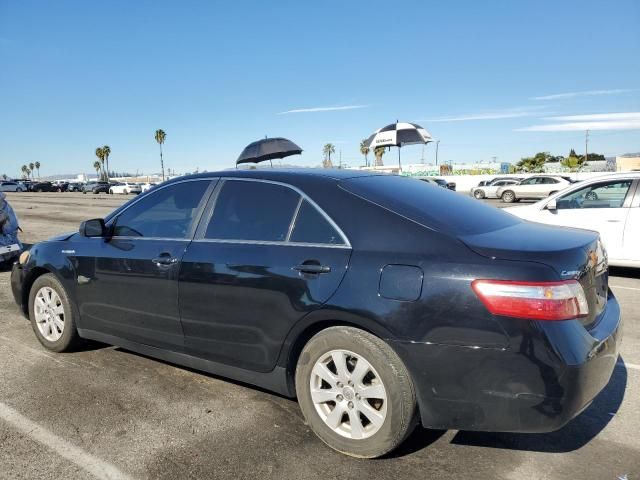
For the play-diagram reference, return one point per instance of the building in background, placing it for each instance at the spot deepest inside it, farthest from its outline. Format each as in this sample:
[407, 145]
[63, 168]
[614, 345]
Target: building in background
[629, 162]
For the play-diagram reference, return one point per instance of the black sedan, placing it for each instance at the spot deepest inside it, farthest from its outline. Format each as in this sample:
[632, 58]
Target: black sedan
[378, 301]
[96, 187]
[43, 187]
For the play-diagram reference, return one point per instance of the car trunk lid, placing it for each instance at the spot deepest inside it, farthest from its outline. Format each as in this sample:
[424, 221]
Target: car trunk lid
[572, 253]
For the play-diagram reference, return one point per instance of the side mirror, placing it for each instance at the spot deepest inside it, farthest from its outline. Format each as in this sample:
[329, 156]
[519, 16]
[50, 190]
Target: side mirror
[93, 228]
[551, 205]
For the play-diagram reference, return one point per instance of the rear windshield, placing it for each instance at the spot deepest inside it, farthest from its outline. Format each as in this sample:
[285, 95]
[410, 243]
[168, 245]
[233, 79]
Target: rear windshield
[429, 205]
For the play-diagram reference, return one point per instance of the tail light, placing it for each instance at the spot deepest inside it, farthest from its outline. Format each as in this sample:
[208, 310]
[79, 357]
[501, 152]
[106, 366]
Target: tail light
[533, 300]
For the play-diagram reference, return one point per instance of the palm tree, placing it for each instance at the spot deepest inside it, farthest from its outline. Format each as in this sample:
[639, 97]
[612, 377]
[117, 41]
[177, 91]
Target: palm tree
[160, 136]
[31, 168]
[24, 169]
[38, 168]
[379, 152]
[364, 150]
[327, 150]
[100, 155]
[106, 151]
[97, 167]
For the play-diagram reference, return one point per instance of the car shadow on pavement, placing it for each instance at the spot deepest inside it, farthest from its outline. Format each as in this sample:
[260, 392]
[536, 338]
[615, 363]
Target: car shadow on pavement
[577, 433]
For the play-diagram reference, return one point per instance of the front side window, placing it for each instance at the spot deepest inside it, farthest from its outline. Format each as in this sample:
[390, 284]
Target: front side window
[312, 227]
[167, 213]
[257, 211]
[598, 195]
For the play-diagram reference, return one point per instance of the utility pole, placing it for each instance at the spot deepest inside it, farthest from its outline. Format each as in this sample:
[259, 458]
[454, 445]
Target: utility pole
[340, 158]
[586, 145]
[437, 145]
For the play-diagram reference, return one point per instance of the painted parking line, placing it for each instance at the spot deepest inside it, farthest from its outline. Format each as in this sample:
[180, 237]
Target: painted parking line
[91, 464]
[625, 288]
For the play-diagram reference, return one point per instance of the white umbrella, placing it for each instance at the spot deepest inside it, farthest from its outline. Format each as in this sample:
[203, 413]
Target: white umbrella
[399, 134]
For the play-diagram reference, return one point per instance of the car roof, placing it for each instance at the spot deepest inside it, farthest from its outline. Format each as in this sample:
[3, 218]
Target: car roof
[284, 175]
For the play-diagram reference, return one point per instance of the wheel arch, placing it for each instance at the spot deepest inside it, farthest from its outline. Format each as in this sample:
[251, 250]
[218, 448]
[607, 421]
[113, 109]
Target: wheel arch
[314, 323]
[31, 277]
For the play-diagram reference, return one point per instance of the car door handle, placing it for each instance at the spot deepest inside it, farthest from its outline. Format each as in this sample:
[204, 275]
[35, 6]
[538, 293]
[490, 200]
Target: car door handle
[164, 259]
[311, 268]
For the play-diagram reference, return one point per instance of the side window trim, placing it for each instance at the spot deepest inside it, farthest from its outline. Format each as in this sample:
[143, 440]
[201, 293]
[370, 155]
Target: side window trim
[294, 219]
[211, 205]
[113, 220]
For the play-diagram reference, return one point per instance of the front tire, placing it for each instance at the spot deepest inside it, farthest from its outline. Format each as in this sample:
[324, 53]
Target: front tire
[355, 392]
[508, 196]
[52, 317]
[478, 194]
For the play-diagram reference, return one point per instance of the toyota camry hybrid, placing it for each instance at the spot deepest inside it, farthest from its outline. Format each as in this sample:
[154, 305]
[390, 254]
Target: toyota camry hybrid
[379, 302]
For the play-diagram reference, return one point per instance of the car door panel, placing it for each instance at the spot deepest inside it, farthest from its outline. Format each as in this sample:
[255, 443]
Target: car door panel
[128, 282]
[123, 292]
[245, 279]
[238, 301]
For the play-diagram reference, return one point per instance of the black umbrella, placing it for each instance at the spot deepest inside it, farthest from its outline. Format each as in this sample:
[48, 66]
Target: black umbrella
[268, 149]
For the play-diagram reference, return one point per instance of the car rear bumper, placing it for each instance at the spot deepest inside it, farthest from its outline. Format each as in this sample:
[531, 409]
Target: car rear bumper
[544, 379]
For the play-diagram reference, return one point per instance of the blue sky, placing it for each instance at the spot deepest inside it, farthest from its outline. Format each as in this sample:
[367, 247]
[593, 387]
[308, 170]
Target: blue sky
[483, 77]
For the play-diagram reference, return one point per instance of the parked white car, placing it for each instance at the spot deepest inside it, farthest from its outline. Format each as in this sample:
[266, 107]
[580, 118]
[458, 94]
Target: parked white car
[609, 204]
[125, 188]
[536, 187]
[12, 187]
[491, 190]
[146, 186]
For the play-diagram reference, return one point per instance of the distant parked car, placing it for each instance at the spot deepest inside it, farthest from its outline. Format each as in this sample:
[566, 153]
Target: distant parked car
[11, 187]
[608, 204]
[147, 186]
[44, 187]
[96, 187]
[125, 188]
[75, 187]
[536, 188]
[490, 190]
[440, 182]
[61, 186]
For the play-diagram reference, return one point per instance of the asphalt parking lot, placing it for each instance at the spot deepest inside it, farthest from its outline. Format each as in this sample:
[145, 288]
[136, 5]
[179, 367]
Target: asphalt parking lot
[114, 414]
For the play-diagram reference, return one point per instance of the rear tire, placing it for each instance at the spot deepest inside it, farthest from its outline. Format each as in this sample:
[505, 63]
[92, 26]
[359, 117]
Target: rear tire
[366, 407]
[508, 196]
[52, 316]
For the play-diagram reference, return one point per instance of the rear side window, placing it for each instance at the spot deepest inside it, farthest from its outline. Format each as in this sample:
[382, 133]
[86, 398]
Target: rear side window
[312, 227]
[255, 211]
[167, 213]
[436, 208]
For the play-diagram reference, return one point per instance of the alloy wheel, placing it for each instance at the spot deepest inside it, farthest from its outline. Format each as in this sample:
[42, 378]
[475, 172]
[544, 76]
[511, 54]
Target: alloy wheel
[49, 314]
[348, 394]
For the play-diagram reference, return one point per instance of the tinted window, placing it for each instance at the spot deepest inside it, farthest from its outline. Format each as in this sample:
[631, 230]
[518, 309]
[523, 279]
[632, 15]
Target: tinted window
[529, 181]
[599, 195]
[437, 208]
[312, 227]
[549, 181]
[166, 213]
[253, 211]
